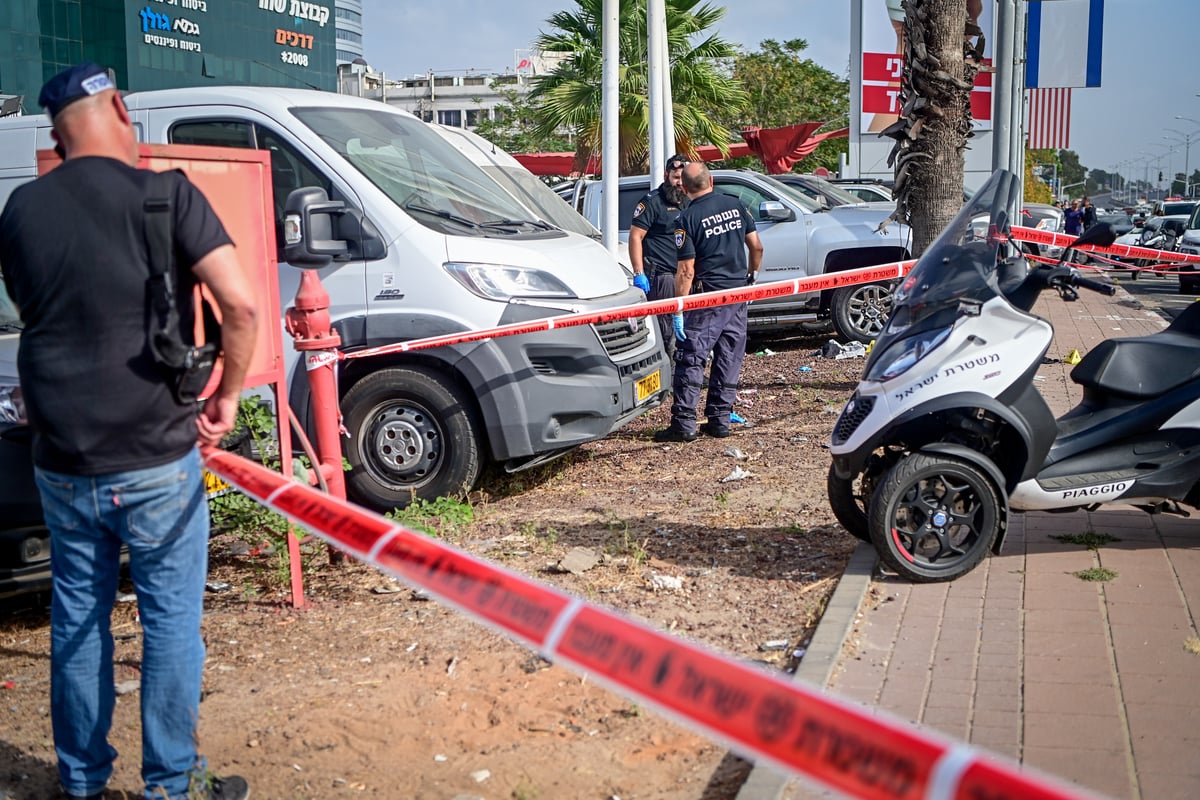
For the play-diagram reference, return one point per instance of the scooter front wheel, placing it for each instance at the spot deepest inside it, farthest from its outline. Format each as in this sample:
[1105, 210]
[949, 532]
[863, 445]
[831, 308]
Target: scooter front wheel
[848, 499]
[934, 518]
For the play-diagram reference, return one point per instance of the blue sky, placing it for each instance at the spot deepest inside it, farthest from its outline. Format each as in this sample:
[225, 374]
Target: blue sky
[1147, 80]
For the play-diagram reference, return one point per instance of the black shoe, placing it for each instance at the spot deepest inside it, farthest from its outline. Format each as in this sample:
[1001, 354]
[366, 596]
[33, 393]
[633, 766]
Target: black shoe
[672, 434]
[714, 430]
[231, 787]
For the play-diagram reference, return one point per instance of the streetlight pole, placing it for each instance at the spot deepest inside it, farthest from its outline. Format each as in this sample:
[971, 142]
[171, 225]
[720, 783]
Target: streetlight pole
[1187, 175]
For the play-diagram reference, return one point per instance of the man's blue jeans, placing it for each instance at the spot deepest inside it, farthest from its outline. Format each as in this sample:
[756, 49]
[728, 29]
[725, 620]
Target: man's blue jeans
[162, 515]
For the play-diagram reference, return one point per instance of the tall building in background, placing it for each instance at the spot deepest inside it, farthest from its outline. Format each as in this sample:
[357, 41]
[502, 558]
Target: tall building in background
[349, 31]
[151, 44]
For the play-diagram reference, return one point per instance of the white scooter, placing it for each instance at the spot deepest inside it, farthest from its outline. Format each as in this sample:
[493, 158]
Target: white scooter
[946, 432]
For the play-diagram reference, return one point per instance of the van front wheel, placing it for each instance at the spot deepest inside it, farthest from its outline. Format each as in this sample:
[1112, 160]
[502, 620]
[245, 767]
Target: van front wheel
[413, 435]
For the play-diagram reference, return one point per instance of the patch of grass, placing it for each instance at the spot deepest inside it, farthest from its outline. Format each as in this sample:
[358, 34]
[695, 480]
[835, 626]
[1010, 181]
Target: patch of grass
[1192, 645]
[524, 791]
[441, 518]
[1090, 540]
[633, 711]
[722, 499]
[1095, 574]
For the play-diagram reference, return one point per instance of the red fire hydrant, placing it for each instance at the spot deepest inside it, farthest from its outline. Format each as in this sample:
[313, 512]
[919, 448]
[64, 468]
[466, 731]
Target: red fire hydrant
[308, 322]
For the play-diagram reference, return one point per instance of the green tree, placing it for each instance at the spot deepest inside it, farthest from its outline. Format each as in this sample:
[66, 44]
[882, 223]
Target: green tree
[1036, 189]
[1071, 173]
[514, 127]
[785, 88]
[570, 96]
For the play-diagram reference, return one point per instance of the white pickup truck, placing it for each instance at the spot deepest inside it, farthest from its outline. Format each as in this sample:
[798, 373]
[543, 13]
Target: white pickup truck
[800, 238]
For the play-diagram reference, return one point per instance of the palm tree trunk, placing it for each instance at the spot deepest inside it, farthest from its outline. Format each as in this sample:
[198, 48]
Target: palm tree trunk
[935, 120]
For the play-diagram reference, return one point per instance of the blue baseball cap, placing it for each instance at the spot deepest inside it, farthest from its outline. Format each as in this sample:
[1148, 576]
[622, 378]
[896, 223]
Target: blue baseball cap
[74, 83]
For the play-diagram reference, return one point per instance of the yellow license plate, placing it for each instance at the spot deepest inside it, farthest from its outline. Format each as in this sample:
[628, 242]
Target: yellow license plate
[647, 386]
[215, 486]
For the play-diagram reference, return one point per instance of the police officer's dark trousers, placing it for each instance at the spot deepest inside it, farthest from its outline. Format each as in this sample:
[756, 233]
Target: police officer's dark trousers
[662, 287]
[721, 330]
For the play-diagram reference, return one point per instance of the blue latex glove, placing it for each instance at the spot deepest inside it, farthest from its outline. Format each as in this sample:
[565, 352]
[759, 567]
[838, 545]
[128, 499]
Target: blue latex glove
[642, 282]
[677, 323]
[736, 417]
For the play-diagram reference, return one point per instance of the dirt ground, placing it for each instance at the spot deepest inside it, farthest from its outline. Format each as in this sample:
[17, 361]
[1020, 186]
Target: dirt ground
[373, 691]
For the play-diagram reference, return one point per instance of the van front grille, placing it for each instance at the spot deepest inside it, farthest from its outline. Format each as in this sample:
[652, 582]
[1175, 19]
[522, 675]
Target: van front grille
[622, 336]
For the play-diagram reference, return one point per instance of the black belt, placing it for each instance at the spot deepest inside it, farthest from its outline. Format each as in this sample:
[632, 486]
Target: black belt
[653, 270]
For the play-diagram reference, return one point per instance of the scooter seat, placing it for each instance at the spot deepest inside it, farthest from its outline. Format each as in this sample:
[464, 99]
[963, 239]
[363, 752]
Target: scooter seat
[1145, 366]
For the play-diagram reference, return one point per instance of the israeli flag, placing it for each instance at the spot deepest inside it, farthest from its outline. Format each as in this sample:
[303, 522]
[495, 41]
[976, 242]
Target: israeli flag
[1064, 43]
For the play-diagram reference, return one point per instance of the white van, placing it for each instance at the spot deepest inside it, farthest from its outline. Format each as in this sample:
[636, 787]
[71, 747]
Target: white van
[432, 246]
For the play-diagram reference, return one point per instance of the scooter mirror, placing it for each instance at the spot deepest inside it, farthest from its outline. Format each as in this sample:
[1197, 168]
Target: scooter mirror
[1101, 234]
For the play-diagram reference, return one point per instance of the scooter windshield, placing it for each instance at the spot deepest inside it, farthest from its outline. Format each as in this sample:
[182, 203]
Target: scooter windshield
[962, 262]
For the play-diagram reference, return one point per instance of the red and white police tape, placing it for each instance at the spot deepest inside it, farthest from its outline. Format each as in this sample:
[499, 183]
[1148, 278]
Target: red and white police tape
[852, 749]
[1128, 250]
[761, 291]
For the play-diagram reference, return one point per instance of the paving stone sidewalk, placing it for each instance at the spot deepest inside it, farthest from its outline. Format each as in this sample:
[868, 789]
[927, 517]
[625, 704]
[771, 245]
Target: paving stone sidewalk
[1089, 681]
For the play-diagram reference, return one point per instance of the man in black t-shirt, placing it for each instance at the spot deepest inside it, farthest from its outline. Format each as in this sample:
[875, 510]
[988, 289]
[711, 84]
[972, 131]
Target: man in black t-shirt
[652, 250]
[714, 233]
[115, 455]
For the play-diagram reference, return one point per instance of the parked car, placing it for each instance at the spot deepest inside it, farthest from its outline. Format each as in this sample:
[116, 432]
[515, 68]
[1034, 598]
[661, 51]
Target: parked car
[868, 192]
[800, 238]
[819, 189]
[1189, 242]
[1160, 233]
[1121, 222]
[1043, 217]
[24, 540]
[1173, 208]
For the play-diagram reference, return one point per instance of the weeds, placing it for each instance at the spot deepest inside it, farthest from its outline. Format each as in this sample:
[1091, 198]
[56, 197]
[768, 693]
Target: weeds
[1095, 574]
[1192, 645]
[1090, 539]
[441, 518]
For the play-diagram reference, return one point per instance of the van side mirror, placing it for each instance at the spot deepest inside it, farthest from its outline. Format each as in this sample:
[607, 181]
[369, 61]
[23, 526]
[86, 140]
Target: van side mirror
[308, 240]
[317, 231]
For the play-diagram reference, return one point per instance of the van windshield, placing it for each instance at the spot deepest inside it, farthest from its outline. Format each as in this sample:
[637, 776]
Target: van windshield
[438, 186]
[541, 199]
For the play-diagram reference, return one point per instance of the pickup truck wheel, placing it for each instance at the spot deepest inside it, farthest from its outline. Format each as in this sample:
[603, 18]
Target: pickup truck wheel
[860, 311]
[413, 435]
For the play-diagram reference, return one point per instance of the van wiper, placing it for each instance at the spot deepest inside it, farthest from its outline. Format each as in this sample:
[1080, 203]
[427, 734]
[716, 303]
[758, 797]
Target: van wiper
[437, 212]
[10, 327]
[510, 223]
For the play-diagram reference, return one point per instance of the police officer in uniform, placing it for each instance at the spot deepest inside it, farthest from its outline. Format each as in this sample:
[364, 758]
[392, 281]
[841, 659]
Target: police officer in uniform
[652, 248]
[714, 234]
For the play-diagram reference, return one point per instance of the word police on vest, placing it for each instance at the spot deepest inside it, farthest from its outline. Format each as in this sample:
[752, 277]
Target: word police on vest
[726, 221]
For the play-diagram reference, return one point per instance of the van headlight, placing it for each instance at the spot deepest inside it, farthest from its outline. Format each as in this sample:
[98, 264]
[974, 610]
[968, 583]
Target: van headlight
[502, 282]
[12, 404]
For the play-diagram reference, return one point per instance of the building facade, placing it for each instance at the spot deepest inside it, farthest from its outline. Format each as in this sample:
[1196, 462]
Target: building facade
[348, 31]
[159, 44]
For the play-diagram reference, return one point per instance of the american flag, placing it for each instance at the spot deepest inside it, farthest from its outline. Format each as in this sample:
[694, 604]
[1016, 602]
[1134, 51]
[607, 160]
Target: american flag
[1049, 119]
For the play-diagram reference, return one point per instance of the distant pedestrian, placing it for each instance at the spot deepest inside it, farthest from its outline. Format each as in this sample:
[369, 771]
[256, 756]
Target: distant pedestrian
[652, 251]
[1089, 213]
[714, 234]
[1074, 219]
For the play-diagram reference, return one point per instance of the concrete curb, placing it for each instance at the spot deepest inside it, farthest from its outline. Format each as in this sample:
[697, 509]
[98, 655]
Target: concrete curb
[816, 668]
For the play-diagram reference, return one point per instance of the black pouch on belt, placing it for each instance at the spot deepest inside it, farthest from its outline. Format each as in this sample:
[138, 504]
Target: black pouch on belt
[188, 366]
